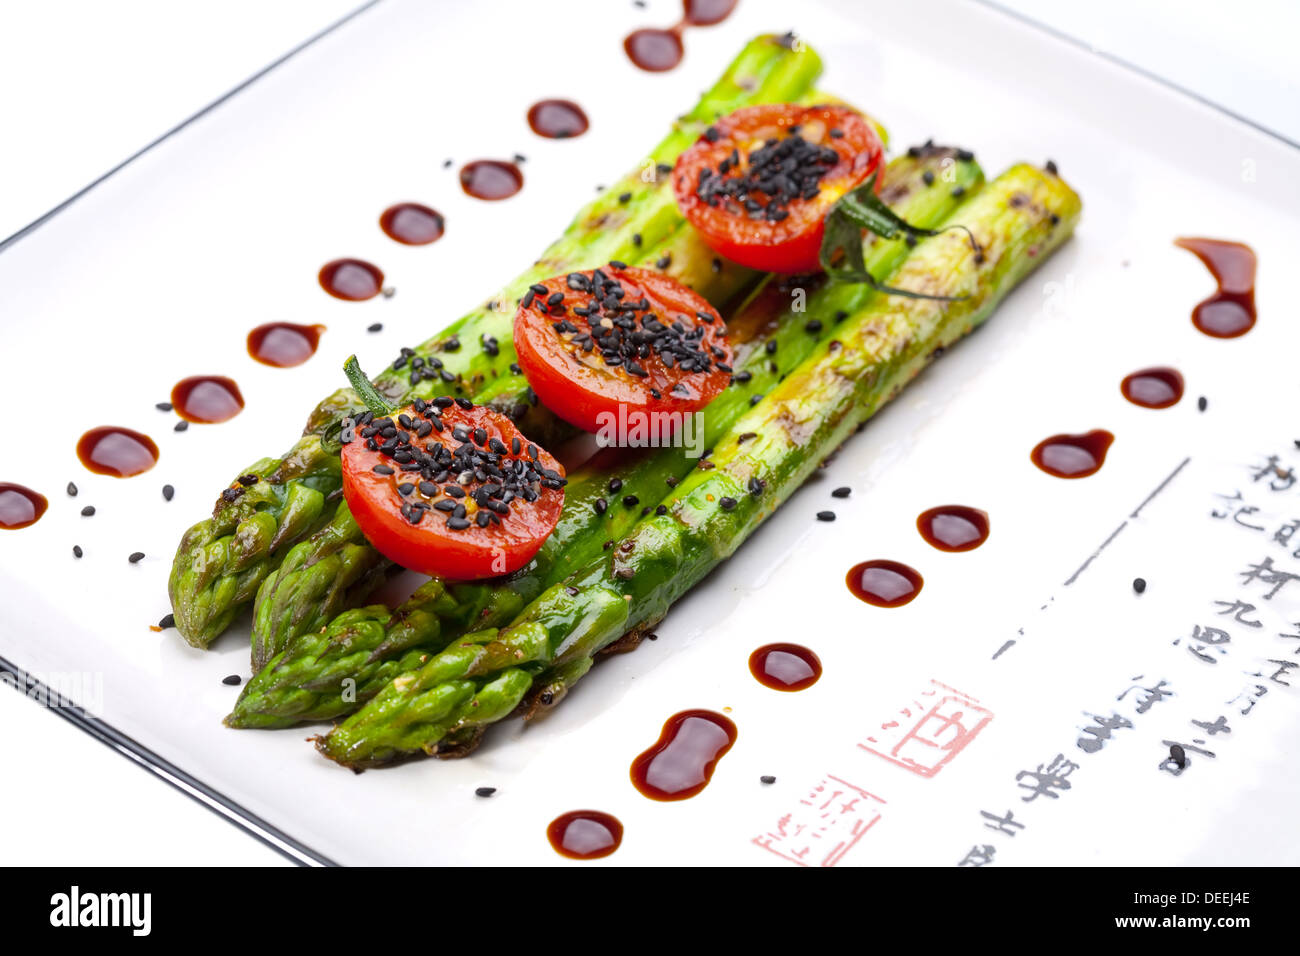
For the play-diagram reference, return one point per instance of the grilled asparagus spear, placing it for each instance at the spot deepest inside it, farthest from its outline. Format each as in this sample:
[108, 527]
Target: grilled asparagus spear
[1016, 221]
[222, 561]
[306, 681]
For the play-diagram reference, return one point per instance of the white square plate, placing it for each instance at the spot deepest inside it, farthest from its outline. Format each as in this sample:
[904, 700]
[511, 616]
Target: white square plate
[159, 273]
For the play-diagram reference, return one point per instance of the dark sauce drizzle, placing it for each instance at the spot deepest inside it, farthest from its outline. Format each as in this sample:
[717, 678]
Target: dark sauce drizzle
[207, 399]
[657, 50]
[884, 583]
[20, 506]
[954, 527]
[284, 344]
[786, 667]
[491, 179]
[682, 760]
[1158, 387]
[353, 280]
[1230, 312]
[557, 119]
[412, 224]
[119, 452]
[1073, 456]
[585, 834]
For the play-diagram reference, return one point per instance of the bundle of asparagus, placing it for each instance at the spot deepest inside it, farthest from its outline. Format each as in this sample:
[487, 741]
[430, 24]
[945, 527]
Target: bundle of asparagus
[222, 562]
[444, 704]
[327, 671]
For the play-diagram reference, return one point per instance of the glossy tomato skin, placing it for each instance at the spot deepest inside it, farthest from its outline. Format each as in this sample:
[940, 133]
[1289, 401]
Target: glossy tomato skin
[581, 388]
[792, 244]
[430, 546]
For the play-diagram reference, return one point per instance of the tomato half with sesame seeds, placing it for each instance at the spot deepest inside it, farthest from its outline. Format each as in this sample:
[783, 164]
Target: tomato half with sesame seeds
[758, 184]
[612, 348]
[451, 491]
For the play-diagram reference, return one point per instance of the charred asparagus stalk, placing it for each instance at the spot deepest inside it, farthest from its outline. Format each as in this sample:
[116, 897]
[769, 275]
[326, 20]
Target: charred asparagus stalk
[222, 561]
[306, 681]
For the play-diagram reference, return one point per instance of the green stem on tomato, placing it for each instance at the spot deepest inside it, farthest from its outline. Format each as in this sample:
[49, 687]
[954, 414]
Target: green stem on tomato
[367, 392]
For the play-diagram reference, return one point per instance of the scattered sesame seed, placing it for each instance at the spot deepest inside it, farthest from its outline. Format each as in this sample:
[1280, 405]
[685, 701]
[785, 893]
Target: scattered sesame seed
[135, 557]
[767, 778]
[485, 791]
[76, 551]
[1139, 585]
[232, 681]
[1202, 403]
[72, 490]
[181, 426]
[1178, 755]
[167, 621]
[826, 516]
[375, 327]
[163, 406]
[842, 492]
[87, 511]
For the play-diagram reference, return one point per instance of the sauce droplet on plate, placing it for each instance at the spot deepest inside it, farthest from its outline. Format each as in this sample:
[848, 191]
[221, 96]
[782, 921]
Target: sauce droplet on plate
[491, 179]
[1230, 312]
[354, 280]
[119, 452]
[1157, 387]
[681, 762]
[785, 666]
[412, 224]
[654, 50]
[585, 834]
[954, 527]
[705, 13]
[557, 119]
[1073, 456]
[284, 344]
[207, 399]
[19, 506]
[884, 583]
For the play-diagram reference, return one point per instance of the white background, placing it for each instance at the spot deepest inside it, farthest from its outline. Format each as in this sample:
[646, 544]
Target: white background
[88, 84]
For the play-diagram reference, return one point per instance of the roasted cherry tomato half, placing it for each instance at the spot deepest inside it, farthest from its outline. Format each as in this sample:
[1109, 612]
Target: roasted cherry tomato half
[609, 348]
[451, 491]
[758, 185]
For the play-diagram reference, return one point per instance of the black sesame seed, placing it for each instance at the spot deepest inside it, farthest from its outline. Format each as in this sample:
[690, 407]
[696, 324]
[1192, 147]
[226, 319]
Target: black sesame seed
[232, 681]
[1139, 585]
[87, 511]
[76, 551]
[135, 557]
[181, 426]
[842, 492]
[72, 490]
[767, 778]
[927, 177]
[375, 327]
[167, 621]
[168, 492]
[826, 516]
[624, 197]
[163, 406]
[1202, 403]
[1178, 755]
[485, 791]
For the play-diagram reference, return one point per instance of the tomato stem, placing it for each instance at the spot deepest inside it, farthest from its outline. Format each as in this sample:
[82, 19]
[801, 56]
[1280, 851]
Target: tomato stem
[365, 390]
